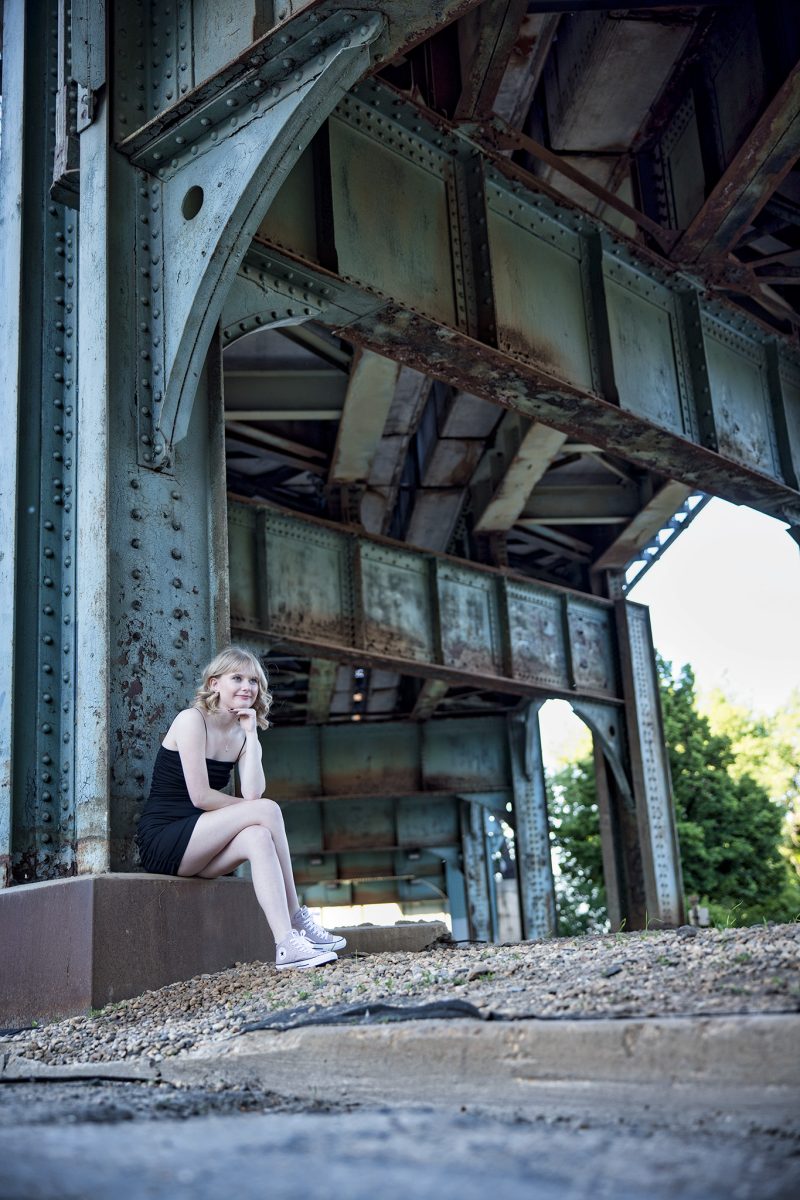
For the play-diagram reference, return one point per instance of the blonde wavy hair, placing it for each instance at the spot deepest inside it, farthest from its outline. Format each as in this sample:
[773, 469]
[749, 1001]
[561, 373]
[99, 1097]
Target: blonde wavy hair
[231, 659]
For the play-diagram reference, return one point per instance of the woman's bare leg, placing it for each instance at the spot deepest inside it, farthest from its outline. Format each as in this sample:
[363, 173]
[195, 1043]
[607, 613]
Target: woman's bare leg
[256, 845]
[217, 828]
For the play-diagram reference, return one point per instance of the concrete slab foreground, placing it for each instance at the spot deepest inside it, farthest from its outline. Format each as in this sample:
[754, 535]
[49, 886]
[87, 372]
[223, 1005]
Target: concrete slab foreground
[457, 1061]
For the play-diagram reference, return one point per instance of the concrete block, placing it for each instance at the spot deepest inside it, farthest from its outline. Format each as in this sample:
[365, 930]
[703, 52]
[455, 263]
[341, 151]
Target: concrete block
[68, 945]
[379, 939]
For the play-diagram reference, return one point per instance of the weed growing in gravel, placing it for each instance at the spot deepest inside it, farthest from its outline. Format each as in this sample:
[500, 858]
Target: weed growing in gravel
[730, 917]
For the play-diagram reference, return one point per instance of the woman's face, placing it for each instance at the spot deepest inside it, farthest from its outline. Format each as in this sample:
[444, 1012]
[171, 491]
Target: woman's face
[237, 689]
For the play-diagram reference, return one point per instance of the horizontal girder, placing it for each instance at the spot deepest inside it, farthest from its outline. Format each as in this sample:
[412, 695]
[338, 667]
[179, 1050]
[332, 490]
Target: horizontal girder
[447, 262]
[328, 590]
[422, 762]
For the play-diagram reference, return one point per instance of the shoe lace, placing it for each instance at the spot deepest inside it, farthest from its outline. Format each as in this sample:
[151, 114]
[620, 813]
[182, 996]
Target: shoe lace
[310, 927]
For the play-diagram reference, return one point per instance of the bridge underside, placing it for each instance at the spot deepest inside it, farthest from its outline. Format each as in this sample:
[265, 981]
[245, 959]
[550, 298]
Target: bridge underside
[396, 342]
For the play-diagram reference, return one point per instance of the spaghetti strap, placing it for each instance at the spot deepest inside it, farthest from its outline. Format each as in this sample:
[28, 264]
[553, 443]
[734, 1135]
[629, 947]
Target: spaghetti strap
[205, 726]
[239, 755]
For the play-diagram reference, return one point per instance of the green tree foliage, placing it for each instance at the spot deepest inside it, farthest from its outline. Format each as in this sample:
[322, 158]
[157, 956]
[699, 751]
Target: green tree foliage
[729, 827]
[768, 749]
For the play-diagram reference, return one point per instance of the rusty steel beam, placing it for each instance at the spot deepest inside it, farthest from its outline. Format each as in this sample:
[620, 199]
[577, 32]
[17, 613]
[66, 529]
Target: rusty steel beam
[500, 136]
[370, 392]
[621, 351]
[432, 692]
[486, 40]
[525, 67]
[578, 6]
[448, 355]
[538, 448]
[334, 593]
[644, 526]
[763, 162]
[268, 63]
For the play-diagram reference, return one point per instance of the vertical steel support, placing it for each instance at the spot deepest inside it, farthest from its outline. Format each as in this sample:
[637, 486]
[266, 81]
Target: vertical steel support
[650, 776]
[152, 533]
[102, 340]
[457, 901]
[534, 865]
[151, 546]
[476, 871]
[619, 833]
[37, 467]
[12, 182]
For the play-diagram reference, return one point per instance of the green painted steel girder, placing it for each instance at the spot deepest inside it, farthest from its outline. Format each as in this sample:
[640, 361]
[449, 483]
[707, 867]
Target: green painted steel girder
[449, 263]
[453, 756]
[335, 593]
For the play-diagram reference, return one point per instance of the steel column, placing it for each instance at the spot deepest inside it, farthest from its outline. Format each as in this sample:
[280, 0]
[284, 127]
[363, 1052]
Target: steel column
[457, 901]
[534, 865]
[151, 531]
[38, 250]
[650, 775]
[477, 873]
[99, 327]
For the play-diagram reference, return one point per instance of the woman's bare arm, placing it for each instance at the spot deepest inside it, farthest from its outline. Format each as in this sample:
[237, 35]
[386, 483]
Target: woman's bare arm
[251, 769]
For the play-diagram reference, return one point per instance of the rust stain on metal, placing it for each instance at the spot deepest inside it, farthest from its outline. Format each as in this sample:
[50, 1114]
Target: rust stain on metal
[474, 367]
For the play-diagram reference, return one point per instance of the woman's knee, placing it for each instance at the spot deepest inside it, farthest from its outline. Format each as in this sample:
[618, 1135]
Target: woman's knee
[256, 840]
[269, 813]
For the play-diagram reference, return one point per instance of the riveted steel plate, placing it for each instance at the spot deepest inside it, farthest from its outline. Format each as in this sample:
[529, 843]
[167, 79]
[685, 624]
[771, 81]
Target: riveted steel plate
[244, 584]
[422, 822]
[538, 652]
[370, 758]
[591, 647]
[292, 219]
[397, 603]
[470, 628]
[790, 383]
[308, 872]
[539, 300]
[657, 821]
[392, 222]
[291, 762]
[307, 585]
[465, 754]
[353, 824]
[361, 864]
[304, 827]
[739, 396]
[640, 322]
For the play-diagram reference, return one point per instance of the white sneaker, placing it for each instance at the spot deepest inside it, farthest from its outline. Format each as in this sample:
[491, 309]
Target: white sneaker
[296, 951]
[321, 938]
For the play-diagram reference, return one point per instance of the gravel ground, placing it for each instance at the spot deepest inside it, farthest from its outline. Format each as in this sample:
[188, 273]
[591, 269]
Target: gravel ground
[654, 973]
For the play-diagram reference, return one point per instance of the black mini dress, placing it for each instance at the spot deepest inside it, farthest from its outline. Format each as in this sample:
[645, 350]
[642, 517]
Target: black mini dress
[169, 817]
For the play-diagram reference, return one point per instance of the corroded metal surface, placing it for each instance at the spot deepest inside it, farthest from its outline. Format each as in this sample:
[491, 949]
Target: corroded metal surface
[345, 596]
[658, 840]
[532, 834]
[608, 350]
[389, 758]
